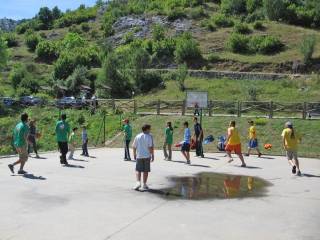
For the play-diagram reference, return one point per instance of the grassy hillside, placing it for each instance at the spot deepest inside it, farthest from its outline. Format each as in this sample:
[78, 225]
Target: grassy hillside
[269, 131]
[226, 89]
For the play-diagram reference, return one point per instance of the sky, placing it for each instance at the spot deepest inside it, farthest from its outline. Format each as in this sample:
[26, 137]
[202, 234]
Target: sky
[19, 9]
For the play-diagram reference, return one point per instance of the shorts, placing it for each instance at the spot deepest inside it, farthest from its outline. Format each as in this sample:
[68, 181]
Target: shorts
[143, 165]
[253, 143]
[292, 155]
[185, 147]
[233, 148]
[23, 153]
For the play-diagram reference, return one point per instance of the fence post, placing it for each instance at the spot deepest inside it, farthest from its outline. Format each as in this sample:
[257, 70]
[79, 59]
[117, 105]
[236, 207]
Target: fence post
[183, 108]
[158, 107]
[210, 108]
[271, 109]
[239, 109]
[304, 112]
[113, 104]
[135, 106]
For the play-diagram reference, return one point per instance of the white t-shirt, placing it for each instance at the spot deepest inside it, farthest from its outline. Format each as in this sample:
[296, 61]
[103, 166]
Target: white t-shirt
[142, 143]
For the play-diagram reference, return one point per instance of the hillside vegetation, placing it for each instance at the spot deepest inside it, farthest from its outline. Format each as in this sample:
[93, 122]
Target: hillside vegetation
[111, 44]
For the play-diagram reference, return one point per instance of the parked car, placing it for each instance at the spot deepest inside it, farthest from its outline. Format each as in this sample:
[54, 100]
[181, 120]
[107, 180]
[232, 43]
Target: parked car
[70, 102]
[30, 101]
[8, 101]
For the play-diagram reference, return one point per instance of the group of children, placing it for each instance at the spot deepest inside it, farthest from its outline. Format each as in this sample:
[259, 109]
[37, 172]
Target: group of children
[144, 146]
[25, 134]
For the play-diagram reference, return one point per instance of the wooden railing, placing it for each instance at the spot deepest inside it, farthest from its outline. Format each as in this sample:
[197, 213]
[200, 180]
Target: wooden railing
[270, 109]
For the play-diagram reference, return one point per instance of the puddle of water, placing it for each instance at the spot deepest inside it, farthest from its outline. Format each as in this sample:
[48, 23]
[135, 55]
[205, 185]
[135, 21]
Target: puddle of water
[214, 186]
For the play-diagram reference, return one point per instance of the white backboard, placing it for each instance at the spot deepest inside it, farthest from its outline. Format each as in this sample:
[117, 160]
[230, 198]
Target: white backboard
[197, 99]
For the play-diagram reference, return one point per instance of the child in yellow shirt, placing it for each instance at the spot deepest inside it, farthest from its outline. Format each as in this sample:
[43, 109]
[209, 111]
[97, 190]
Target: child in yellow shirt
[290, 140]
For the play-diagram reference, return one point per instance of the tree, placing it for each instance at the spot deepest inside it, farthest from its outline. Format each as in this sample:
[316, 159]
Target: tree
[76, 79]
[45, 17]
[56, 13]
[233, 6]
[3, 52]
[187, 49]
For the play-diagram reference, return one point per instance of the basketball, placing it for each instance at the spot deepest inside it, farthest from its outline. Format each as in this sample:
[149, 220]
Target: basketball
[267, 146]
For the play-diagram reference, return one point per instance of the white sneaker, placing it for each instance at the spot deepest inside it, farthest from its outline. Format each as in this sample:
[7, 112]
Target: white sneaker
[145, 187]
[137, 186]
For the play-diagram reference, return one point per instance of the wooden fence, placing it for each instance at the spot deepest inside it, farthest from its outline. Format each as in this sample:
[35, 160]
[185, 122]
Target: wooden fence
[216, 108]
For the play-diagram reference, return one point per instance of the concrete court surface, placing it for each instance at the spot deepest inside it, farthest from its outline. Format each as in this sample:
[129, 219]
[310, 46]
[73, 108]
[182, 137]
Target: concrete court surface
[95, 201]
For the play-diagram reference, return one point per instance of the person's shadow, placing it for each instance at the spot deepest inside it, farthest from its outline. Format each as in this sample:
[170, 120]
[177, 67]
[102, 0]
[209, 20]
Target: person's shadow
[73, 166]
[33, 177]
[79, 160]
[310, 175]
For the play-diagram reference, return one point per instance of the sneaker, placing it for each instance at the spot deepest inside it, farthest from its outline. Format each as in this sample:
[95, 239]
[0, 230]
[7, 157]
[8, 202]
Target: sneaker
[137, 186]
[202, 156]
[259, 155]
[22, 172]
[145, 187]
[246, 154]
[230, 160]
[243, 165]
[11, 167]
[299, 174]
[294, 170]
[189, 162]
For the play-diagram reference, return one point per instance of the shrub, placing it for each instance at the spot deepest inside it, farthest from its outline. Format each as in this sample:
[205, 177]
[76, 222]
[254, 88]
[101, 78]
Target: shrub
[85, 27]
[307, 47]
[75, 29]
[175, 13]
[23, 92]
[197, 12]
[32, 41]
[233, 6]
[222, 20]
[72, 40]
[258, 25]
[238, 43]
[266, 44]
[213, 58]
[241, 28]
[148, 81]
[16, 75]
[47, 51]
[187, 49]
[3, 52]
[11, 39]
[253, 93]
[128, 37]
[256, 15]
[30, 84]
[253, 5]
[261, 121]
[209, 25]
[275, 9]
[158, 32]
[164, 48]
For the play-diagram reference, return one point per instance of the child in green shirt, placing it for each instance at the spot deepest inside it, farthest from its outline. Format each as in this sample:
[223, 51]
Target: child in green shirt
[72, 143]
[168, 142]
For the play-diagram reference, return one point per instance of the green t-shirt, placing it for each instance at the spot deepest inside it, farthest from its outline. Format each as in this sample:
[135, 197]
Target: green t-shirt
[62, 131]
[20, 133]
[169, 136]
[128, 131]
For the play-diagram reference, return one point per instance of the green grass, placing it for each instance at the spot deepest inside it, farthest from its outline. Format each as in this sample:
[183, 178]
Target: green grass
[227, 89]
[47, 118]
[217, 126]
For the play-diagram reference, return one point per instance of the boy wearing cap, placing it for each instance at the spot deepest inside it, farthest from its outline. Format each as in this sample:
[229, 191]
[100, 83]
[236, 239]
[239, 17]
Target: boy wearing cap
[253, 141]
[127, 131]
[290, 141]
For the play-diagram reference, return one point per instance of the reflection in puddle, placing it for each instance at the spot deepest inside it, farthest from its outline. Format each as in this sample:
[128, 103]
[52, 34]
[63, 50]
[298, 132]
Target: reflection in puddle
[214, 186]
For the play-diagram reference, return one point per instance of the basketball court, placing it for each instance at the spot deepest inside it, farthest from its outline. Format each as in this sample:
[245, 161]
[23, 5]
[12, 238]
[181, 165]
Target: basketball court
[93, 199]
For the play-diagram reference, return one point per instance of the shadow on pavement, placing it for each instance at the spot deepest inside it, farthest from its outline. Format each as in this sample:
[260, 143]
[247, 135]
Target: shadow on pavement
[199, 165]
[212, 158]
[267, 157]
[310, 175]
[176, 161]
[73, 166]
[249, 167]
[78, 160]
[33, 177]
